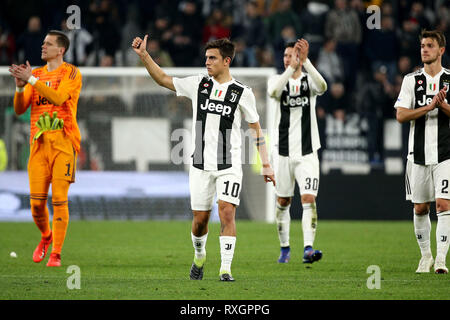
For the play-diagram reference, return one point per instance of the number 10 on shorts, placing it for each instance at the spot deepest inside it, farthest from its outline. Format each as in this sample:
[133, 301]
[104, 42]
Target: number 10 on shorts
[234, 192]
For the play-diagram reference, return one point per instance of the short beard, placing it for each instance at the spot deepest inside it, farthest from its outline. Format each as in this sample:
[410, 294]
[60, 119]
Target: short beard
[430, 61]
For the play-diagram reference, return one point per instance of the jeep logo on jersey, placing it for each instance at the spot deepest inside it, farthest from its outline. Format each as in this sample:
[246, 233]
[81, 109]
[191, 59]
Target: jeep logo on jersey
[425, 100]
[216, 107]
[42, 101]
[296, 101]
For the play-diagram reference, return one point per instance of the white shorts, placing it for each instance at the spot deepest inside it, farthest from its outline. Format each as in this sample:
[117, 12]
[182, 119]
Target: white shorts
[287, 170]
[408, 190]
[203, 185]
[430, 182]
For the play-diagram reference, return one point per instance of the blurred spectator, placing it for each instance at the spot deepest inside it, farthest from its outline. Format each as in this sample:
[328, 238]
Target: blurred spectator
[387, 9]
[338, 101]
[443, 10]
[335, 101]
[280, 19]
[106, 23]
[160, 56]
[360, 9]
[130, 30]
[267, 57]
[240, 57]
[29, 43]
[217, 26]
[313, 24]
[374, 102]
[404, 66]
[382, 48]
[210, 5]
[190, 18]
[329, 63]
[183, 50]
[287, 35]
[443, 25]
[343, 25]
[7, 46]
[148, 11]
[403, 8]
[252, 35]
[160, 30]
[418, 14]
[165, 8]
[80, 39]
[409, 41]
[107, 61]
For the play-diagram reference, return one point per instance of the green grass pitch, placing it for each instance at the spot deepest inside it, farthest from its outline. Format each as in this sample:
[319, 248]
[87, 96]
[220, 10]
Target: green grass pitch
[151, 260]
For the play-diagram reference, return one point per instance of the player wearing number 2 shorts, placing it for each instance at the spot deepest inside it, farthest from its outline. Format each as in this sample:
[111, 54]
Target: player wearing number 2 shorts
[53, 89]
[423, 102]
[296, 141]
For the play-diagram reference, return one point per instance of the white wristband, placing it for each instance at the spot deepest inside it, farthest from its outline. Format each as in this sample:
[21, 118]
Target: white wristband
[20, 89]
[32, 80]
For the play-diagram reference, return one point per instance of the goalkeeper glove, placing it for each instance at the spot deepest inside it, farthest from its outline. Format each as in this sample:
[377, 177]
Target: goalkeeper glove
[47, 123]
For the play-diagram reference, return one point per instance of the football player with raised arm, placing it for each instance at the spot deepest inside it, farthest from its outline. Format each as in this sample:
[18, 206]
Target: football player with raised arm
[296, 141]
[219, 102]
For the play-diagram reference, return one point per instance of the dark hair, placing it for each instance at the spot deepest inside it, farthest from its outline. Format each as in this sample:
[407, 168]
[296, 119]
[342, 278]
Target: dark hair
[225, 46]
[435, 34]
[290, 44]
[61, 39]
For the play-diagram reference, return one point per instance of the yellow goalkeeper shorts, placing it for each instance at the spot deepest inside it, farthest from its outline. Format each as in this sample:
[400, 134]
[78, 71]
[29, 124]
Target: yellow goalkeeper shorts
[52, 157]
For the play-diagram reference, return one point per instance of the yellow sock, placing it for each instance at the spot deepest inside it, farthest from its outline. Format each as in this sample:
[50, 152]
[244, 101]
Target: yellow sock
[60, 222]
[39, 212]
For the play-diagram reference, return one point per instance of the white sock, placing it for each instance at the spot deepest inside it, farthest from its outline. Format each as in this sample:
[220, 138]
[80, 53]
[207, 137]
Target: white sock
[309, 223]
[283, 218]
[442, 234]
[227, 245]
[422, 229]
[199, 244]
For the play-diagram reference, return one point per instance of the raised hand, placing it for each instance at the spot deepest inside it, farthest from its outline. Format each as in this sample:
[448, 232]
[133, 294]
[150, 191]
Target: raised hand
[303, 46]
[295, 60]
[140, 46]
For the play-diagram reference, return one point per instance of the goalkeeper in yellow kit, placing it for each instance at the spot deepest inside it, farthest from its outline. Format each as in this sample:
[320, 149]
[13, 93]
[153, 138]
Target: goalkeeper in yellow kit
[52, 91]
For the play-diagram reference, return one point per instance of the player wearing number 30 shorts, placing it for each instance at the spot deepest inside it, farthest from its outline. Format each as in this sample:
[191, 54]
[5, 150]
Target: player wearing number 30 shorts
[305, 170]
[296, 141]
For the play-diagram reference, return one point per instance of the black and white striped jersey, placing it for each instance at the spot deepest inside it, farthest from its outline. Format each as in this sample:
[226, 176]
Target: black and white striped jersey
[295, 132]
[216, 125]
[429, 136]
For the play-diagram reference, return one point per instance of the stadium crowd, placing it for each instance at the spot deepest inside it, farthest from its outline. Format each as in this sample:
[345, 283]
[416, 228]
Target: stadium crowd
[364, 67]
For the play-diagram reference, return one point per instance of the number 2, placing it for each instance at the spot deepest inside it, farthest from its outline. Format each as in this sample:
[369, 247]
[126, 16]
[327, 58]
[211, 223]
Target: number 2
[444, 186]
